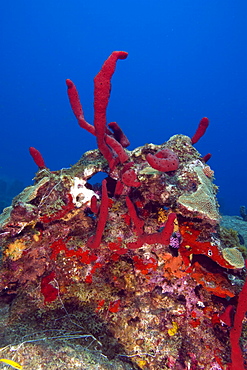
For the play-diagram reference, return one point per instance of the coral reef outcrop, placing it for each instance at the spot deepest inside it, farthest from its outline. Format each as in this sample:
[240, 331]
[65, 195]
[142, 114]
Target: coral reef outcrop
[137, 263]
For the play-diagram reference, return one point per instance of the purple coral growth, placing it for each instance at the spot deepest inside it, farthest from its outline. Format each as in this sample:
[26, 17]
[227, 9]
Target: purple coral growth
[215, 366]
[175, 240]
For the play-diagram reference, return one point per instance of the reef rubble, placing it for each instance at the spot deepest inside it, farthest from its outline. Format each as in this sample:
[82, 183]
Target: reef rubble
[139, 264]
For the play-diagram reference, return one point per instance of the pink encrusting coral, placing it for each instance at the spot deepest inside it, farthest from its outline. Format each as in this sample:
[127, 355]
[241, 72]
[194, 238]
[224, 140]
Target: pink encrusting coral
[140, 258]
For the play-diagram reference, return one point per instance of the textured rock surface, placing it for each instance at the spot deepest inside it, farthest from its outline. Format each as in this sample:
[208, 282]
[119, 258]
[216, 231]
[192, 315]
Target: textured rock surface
[236, 223]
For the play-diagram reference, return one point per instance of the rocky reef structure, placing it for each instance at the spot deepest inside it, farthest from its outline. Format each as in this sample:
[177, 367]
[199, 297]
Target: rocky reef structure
[243, 213]
[140, 261]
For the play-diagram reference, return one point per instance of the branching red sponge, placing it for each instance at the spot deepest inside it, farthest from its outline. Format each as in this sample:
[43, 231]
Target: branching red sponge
[37, 157]
[235, 333]
[165, 160]
[226, 317]
[119, 134]
[201, 129]
[206, 157]
[77, 107]
[93, 205]
[163, 237]
[102, 89]
[117, 148]
[138, 223]
[95, 240]
[112, 147]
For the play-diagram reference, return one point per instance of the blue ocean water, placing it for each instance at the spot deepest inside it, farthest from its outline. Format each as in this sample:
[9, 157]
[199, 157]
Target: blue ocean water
[187, 60]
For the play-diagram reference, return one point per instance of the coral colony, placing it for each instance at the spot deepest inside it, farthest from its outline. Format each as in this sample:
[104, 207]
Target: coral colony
[143, 250]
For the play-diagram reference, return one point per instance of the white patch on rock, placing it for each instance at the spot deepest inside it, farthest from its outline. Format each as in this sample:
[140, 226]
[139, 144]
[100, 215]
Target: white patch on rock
[80, 194]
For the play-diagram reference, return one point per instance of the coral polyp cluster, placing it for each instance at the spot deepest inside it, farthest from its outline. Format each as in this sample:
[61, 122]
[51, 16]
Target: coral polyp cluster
[143, 250]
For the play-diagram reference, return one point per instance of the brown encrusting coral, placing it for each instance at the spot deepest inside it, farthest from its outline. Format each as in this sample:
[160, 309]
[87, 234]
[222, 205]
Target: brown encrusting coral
[140, 261]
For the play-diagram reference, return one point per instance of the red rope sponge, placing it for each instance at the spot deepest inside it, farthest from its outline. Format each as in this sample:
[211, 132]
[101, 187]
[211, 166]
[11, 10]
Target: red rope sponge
[235, 333]
[119, 134]
[206, 157]
[95, 240]
[138, 223]
[37, 157]
[163, 237]
[77, 107]
[201, 129]
[165, 160]
[102, 88]
[111, 149]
